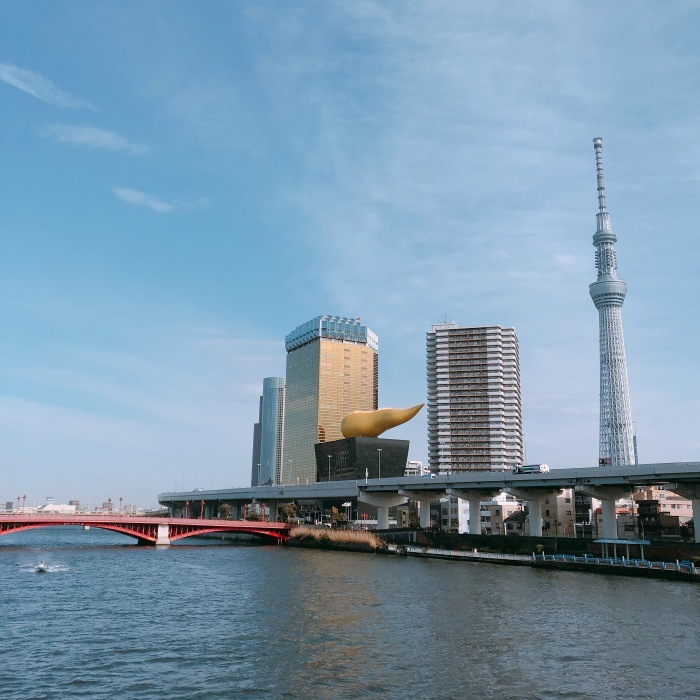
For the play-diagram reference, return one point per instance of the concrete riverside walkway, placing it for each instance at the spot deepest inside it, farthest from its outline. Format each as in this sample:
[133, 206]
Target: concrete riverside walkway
[469, 555]
[685, 570]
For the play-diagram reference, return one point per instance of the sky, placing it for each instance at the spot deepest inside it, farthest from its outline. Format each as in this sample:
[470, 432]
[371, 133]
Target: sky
[184, 183]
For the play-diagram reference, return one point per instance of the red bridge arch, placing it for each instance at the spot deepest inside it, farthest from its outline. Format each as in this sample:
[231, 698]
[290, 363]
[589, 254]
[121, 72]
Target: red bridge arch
[147, 530]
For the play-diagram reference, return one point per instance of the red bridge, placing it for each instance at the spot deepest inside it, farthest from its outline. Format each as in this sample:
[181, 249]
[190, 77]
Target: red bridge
[151, 531]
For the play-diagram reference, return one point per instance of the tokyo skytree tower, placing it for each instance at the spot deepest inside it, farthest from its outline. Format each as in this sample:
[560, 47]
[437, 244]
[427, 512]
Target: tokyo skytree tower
[608, 294]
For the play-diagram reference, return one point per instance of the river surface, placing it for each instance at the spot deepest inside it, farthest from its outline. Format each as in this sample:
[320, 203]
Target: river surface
[113, 620]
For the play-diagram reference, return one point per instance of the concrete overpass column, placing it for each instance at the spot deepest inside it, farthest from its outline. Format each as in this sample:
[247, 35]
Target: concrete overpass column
[474, 498]
[272, 516]
[609, 518]
[163, 537]
[534, 507]
[474, 515]
[382, 517]
[534, 498]
[424, 506]
[424, 499]
[607, 495]
[692, 492]
[382, 502]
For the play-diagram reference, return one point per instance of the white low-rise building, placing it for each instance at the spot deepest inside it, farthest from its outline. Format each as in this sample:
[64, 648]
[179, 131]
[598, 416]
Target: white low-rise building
[57, 509]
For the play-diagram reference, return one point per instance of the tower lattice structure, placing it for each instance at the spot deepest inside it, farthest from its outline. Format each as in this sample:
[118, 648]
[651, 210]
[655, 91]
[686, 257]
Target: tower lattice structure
[608, 294]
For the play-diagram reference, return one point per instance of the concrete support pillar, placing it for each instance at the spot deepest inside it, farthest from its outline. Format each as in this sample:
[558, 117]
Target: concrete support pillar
[424, 510]
[607, 495]
[692, 492]
[534, 498]
[474, 515]
[534, 507]
[382, 502]
[609, 518]
[474, 498]
[272, 515]
[424, 499]
[163, 537]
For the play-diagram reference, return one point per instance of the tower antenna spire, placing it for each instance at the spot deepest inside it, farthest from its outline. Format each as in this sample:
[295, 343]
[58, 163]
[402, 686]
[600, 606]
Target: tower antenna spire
[602, 217]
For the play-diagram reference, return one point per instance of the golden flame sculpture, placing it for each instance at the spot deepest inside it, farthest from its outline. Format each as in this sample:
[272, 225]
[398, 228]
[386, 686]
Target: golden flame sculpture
[372, 424]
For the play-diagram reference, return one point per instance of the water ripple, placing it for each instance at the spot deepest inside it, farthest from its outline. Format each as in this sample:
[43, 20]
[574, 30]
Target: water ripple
[192, 623]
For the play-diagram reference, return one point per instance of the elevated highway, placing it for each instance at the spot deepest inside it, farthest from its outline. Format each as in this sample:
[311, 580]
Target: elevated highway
[605, 483]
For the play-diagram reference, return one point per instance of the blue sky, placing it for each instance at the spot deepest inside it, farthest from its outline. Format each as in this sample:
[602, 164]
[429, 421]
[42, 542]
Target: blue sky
[184, 183]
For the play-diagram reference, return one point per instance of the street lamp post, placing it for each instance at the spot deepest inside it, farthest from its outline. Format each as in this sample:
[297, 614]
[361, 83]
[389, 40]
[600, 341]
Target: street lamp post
[379, 463]
[329, 467]
[24, 500]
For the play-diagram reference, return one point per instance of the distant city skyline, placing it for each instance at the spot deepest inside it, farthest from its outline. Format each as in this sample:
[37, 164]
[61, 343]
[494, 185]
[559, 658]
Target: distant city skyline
[185, 183]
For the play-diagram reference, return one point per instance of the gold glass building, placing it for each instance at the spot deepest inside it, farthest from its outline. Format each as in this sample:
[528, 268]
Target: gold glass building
[332, 369]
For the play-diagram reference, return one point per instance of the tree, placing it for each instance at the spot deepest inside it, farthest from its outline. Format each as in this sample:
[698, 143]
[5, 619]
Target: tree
[288, 511]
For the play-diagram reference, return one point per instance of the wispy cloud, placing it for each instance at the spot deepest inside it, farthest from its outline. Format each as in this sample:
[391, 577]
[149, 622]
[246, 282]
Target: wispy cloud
[41, 87]
[143, 199]
[92, 137]
[158, 205]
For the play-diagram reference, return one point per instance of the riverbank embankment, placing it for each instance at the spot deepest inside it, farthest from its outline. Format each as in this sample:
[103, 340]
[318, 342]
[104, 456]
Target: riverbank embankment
[367, 541]
[346, 540]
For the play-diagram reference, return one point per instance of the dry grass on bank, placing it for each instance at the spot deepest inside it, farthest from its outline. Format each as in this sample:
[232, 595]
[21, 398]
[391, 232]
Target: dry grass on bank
[341, 539]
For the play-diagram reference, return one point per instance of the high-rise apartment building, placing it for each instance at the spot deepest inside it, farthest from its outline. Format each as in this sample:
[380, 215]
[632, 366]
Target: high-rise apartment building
[268, 433]
[332, 369]
[608, 294]
[474, 405]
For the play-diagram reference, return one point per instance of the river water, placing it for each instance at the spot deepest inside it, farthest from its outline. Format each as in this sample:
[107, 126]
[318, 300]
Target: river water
[112, 620]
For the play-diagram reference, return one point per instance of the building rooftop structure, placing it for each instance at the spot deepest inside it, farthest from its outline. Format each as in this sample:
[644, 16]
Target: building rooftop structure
[333, 328]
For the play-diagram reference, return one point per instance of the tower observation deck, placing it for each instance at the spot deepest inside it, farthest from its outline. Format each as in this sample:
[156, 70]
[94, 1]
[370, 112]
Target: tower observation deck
[608, 294]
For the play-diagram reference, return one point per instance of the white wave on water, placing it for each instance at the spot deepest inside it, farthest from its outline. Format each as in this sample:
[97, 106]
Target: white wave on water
[50, 568]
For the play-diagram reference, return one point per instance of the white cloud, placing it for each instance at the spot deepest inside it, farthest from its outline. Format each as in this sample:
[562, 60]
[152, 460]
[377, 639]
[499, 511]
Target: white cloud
[91, 136]
[158, 205]
[143, 199]
[40, 87]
